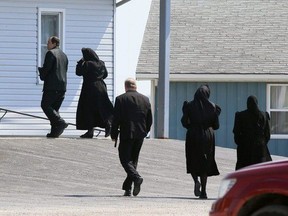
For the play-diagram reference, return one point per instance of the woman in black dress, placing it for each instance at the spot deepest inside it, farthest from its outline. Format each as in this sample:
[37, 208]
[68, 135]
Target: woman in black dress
[94, 107]
[200, 118]
[251, 134]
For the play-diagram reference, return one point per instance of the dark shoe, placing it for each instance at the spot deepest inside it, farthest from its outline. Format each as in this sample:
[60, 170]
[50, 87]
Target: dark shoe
[89, 134]
[59, 130]
[203, 195]
[49, 135]
[137, 186]
[108, 130]
[127, 193]
[197, 191]
[52, 133]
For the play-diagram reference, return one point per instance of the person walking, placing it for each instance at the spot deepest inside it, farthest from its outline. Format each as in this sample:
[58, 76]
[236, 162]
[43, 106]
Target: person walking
[132, 114]
[200, 118]
[54, 75]
[251, 134]
[94, 106]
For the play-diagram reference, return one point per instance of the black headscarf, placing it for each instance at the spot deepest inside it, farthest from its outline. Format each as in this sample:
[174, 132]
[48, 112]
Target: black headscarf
[93, 64]
[252, 107]
[206, 108]
[90, 55]
[202, 96]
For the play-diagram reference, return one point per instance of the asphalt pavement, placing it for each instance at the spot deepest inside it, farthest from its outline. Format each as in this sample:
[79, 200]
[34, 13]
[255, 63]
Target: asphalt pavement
[72, 176]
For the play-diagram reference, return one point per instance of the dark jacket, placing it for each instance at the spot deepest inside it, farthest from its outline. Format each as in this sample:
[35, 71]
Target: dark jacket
[251, 135]
[94, 107]
[132, 115]
[54, 70]
[200, 118]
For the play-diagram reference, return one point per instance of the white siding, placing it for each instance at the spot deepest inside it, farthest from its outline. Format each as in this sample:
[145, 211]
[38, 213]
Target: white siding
[88, 24]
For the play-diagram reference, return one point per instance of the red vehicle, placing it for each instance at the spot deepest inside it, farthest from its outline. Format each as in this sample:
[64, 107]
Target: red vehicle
[258, 190]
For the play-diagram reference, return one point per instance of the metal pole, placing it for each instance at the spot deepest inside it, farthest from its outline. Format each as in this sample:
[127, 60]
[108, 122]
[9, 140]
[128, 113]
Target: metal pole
[164, 70]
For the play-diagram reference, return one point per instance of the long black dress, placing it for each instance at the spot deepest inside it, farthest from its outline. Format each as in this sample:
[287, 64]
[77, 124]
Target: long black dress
[251, 134]
[200, 117]
[94, 106]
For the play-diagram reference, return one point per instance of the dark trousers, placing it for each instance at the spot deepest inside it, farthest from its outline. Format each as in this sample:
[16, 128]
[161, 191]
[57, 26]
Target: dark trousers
[129, 150]
[50, 104]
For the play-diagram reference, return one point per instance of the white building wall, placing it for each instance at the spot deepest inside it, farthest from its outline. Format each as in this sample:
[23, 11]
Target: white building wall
[87, 24]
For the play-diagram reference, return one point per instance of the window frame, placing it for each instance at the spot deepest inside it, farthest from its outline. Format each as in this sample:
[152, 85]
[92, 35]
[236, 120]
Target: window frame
[268, 103]
[62, 30]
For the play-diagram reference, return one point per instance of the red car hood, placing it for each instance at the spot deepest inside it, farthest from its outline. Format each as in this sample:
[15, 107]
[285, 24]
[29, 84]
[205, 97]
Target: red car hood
[267, 168]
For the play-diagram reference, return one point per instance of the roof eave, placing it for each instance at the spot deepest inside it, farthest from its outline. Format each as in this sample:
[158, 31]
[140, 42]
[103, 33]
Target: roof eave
[218, 77]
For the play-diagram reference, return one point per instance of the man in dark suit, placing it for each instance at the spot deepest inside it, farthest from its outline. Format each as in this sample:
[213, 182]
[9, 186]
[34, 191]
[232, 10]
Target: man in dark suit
[132, 114]
[54, 75]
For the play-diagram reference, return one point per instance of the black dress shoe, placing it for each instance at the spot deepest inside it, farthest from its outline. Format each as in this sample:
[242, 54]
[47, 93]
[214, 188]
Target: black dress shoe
[52, 132]
[137, 186]
[89, 134]
[127, 193]
[49, 135]
[58, 130]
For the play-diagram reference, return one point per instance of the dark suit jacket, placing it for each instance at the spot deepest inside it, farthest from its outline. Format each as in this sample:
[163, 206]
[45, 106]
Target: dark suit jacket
[132, 114]
[54, 70]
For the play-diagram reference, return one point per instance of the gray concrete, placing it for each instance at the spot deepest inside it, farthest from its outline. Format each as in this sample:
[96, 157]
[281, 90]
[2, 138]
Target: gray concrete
[69, 176]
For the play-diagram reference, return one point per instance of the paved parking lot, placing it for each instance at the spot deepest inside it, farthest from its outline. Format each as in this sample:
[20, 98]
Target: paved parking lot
[69, 176]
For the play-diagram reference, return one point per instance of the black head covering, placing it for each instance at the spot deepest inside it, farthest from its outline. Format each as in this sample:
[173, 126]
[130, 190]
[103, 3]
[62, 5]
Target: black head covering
[202, 95]
[252, 105]
[90, 55]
